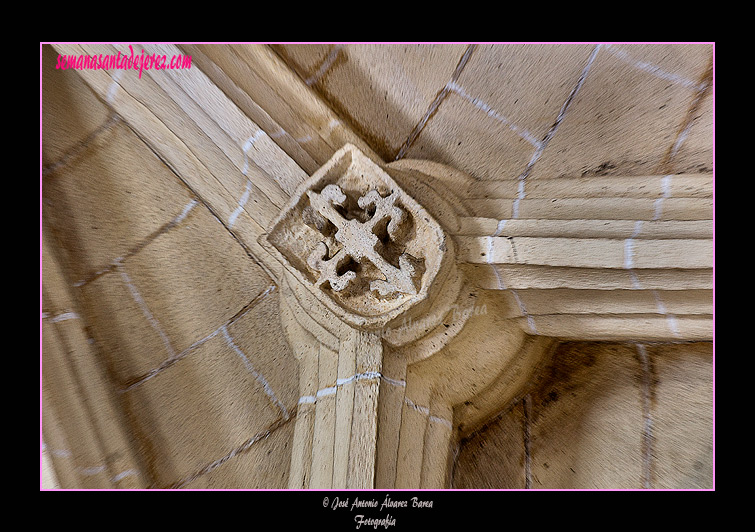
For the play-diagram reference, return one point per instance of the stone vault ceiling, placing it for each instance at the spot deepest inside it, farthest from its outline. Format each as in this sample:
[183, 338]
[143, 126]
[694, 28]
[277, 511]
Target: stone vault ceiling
[224, 292]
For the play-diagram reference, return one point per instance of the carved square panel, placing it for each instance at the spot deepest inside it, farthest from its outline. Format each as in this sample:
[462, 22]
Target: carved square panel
[364, 247]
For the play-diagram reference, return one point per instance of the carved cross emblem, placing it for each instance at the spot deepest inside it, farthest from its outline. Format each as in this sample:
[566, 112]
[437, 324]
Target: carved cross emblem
[359, 241]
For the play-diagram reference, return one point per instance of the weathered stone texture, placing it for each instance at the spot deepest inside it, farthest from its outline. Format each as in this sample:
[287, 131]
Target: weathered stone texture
[223, 295]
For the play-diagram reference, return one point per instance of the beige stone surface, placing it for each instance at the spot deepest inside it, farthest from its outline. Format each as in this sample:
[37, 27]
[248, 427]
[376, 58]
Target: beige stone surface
[501, 442]
[586, 423]
[111, 309]
[48, 479]
[402, 80]
[271, 92]
[564, 341]
[602, 418]
[513, 79]
[504, 106]
[694, 150]
[261, 464]
[620, 127]
[682, 416]
[463, 136]
[259, 335]
[86, 441]
[560, 301]
[196, 265]
[72, 113]
[584, 100]
[85, 467]
[696, 185]
[198, 410]
[136, 194]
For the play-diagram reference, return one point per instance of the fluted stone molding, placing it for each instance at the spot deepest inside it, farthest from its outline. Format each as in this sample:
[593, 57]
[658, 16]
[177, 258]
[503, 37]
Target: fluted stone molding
[390, 335]
[390, 380]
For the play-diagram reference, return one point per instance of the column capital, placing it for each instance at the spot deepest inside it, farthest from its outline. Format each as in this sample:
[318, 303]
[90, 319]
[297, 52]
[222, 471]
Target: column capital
[376, 309]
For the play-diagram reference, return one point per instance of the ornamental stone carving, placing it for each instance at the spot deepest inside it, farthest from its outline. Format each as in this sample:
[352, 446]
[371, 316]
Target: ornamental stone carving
[362, 245]
[393, 356]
